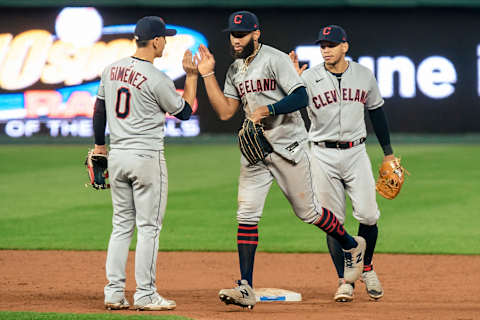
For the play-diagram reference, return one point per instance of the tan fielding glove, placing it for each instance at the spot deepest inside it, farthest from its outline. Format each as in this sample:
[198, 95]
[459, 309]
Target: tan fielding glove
[391, 178]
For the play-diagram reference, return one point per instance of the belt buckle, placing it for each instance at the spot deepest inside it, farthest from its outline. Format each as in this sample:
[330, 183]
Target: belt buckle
[338, 144]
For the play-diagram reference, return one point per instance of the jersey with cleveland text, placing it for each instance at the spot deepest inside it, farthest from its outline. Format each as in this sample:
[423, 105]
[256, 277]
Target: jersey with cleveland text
[137, 96]
[336, 110]
[268, 79]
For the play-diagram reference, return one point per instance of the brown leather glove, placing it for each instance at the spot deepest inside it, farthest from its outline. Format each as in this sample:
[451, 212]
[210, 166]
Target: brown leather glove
[391, 178]
[252, 142]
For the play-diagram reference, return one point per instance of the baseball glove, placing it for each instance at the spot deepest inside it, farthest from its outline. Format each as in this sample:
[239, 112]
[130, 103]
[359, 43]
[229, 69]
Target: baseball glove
[97, 166]
[252, 142]
[391, 178]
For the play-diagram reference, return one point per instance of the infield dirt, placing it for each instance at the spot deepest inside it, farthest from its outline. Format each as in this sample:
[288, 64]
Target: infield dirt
[416, 286]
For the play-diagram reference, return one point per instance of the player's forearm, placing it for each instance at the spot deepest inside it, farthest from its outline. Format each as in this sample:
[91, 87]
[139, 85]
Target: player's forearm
[296, 100]
[190, 89]
[217, 99]
[99, 121]
[380, 126]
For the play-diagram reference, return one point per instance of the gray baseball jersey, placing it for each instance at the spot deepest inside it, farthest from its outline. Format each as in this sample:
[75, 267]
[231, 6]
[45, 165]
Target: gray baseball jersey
[137, 95]
[266, 80]
[335, 109]
[269, 77]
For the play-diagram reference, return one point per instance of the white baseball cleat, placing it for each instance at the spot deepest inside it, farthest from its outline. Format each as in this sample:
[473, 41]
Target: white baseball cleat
[242, 296]
[122, 304]
[372, 284]
[155, 303]
[344, 291]
[354, 260]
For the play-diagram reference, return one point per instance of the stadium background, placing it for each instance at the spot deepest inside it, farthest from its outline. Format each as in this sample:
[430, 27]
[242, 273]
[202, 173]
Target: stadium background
[411, 31]
[44, 206]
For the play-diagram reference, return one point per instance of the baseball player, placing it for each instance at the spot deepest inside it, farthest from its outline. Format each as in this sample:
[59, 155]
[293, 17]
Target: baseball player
[133, 97]
[264, 82]
[339, 91]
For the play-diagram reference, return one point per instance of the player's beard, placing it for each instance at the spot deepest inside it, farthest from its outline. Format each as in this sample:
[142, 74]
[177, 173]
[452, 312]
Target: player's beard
[246, 52]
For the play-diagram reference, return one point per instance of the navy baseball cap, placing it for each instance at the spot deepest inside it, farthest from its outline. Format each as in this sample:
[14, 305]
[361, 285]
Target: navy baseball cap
[151, 27]
[332, 33]
[242, 21]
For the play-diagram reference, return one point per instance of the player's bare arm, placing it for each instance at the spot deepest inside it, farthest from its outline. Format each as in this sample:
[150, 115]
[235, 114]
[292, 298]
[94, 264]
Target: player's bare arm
[225, 107]
[189, 64]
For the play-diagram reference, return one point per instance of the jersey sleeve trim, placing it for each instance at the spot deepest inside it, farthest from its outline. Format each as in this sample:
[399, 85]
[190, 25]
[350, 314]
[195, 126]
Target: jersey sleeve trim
[179, 109]
[185, 113]
[228, 95]
[376, 106]
[294, 87]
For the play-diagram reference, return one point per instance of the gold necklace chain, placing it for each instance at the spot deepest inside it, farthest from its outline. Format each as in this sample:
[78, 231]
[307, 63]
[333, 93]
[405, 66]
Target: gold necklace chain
[249, 59]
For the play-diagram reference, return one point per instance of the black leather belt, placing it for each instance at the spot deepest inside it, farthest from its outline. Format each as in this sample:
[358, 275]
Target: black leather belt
[340, 144]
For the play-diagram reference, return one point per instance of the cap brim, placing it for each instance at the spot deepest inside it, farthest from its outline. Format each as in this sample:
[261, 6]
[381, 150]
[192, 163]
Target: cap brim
[238, 29]
[320, 40]
[170, 32]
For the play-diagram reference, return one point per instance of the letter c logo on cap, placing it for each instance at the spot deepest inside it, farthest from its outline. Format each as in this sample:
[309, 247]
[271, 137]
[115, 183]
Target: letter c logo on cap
[238, 19]
[327, 30]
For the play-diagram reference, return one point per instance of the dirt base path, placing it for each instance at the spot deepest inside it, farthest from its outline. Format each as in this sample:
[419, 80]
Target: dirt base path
[416, 286]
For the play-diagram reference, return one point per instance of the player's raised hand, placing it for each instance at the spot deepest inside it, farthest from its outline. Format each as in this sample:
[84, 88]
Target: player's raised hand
[293, 56]
[206, 61]
[189, 64]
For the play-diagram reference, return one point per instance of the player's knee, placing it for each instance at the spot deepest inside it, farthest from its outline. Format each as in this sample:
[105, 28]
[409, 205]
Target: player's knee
[367, 218]
[315, 216]
[122, 233]
[147, 231]
[123, 229]
[248, 218]
[310, 217]
[366, 212]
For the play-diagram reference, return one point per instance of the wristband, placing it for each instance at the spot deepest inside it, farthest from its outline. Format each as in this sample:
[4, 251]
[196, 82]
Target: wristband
[208, 74]
[271, 109]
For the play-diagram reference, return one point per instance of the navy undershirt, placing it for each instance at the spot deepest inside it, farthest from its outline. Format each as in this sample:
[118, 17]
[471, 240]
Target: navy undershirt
[296, 100]
[99, 122]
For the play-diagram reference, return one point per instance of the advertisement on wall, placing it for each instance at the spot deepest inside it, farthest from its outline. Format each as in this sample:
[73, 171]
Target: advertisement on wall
[71, 61]
[51, 60]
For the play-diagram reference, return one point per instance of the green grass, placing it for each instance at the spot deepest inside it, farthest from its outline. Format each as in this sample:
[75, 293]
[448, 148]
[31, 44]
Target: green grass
[73, 316]
[44, 204]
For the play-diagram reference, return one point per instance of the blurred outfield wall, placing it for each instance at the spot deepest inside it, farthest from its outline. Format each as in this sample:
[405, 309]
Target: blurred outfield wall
[425, 55]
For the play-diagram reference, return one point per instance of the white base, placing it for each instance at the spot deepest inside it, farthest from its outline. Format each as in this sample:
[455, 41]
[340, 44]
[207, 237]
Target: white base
[274, 294]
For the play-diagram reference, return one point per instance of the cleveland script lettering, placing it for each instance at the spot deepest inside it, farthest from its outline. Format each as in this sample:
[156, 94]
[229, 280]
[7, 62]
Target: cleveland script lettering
[259, 85]
[348, 94]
